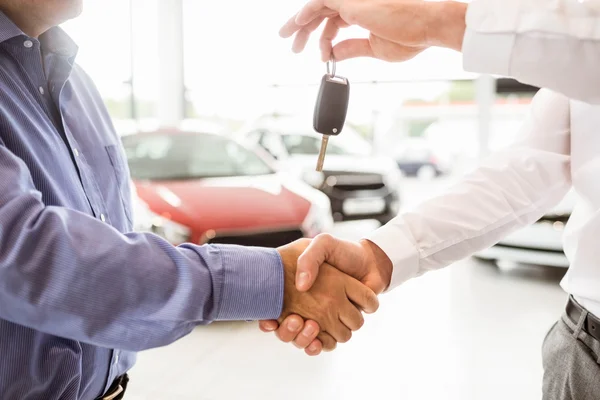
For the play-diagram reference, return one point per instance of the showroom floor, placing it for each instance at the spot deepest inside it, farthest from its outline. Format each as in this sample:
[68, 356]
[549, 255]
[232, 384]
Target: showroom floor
[471, 331]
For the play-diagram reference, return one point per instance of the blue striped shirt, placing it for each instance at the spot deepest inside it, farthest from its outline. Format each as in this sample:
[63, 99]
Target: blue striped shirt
[79, 295]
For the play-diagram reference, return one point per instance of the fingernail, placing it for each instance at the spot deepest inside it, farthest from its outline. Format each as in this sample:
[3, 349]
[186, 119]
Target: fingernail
[302, 279]
[308, 331]
[293, 325]
[312, 348]
[270, 327]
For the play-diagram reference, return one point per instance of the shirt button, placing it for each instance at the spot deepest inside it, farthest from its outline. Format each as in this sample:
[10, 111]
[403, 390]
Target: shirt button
[28, 44]
[41, 89]
[76, 152]
[117, 358]
[103, 217]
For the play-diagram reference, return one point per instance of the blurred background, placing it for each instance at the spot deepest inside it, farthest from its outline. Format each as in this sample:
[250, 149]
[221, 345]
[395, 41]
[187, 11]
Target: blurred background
[215, 114]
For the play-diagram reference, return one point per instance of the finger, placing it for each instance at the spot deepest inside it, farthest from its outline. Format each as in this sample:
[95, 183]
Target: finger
[315, 348]
[317, 252]
[352, 318]
[290, 328]
[328, 342]
[308, 334]
[340, 332]
[310, 11]
[359, 294]
[304, 34]
[289, 28]
[352, 48]
[268, 326]
[329, 33]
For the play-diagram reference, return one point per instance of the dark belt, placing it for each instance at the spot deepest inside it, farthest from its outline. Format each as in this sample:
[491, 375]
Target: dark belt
[591, 325]
[116, 391]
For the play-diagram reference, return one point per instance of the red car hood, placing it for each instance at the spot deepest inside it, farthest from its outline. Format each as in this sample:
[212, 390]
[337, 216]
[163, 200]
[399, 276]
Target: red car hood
[226, 204]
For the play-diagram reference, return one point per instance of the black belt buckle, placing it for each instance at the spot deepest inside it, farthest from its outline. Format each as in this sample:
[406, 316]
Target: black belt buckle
[117, 389]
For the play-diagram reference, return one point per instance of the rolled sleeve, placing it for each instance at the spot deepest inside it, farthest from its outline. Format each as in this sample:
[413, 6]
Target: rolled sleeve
[252, 286]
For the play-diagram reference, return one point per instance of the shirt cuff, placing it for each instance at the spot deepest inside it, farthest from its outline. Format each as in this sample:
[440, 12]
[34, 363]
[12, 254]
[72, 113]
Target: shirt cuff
[252, 284]
[397, 244]
[488, 53]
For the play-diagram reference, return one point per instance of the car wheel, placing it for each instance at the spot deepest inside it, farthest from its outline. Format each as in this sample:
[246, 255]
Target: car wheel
[426, 172]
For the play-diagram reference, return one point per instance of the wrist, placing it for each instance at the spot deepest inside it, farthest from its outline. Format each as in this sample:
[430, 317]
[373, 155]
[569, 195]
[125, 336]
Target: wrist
[378, 261]
[447, 24]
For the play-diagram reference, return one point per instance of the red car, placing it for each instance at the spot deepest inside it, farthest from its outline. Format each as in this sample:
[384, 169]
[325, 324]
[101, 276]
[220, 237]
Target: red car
[205, 188]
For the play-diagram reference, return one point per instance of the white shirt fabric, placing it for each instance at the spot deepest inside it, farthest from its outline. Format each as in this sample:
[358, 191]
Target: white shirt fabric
[546, 43]
[559, 149]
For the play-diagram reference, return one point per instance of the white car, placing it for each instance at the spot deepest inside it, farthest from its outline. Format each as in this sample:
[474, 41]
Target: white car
[540, 243]
[359, 185]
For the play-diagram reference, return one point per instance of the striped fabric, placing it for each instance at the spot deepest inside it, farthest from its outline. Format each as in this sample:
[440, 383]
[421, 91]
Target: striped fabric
[74, 286]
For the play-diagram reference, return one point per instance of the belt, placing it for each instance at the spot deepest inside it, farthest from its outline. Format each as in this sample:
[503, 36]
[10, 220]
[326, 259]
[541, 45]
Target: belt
[591, 325]
[117, 389]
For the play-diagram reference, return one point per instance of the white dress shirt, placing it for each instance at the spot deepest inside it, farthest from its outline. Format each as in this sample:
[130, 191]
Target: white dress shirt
[559, 148]
[546, 43]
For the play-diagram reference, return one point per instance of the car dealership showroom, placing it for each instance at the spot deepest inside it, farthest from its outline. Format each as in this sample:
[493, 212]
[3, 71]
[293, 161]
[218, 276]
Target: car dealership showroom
[419, 202]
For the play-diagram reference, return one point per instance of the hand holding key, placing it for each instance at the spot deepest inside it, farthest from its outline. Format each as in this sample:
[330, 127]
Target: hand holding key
[331, 108]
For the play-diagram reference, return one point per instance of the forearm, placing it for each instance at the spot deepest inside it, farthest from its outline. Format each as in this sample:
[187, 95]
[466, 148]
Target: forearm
[85, 281]
[68, 274]
[511, 189]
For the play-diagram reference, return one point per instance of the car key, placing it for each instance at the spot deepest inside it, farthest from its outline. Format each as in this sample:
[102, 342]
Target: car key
[331, 108]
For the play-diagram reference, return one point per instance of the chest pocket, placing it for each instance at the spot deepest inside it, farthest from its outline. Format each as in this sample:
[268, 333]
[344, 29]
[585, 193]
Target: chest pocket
[121, 173]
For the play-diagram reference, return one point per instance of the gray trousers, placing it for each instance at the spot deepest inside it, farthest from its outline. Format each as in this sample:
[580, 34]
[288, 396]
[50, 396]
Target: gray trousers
[571, 362]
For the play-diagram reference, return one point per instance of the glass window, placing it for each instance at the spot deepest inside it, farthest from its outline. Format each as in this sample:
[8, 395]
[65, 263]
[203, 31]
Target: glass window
[272, 144]
[310, 145]
[189, 156]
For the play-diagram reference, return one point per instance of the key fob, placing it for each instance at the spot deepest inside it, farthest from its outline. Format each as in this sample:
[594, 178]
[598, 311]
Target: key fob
[332, 105]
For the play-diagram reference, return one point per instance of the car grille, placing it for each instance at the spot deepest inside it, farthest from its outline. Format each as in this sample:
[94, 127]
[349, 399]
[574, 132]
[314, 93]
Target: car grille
[260, 239]
[354, 181]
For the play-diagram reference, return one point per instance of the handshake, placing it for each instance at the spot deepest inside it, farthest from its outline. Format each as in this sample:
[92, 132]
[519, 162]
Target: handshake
[328, 283]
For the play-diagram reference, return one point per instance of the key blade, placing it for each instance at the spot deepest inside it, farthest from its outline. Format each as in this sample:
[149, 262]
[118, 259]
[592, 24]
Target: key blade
[321, 158]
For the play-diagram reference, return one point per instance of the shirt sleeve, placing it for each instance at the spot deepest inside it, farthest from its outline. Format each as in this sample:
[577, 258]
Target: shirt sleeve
[546, 43]
[512, 188]
[65, 273]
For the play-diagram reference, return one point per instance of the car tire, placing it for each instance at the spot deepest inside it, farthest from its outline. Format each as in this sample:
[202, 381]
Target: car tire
[427, 173]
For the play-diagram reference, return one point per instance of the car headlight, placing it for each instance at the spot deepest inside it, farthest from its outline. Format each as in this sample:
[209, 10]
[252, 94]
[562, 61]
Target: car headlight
[313, 178]
[173, 232]
[319, 218]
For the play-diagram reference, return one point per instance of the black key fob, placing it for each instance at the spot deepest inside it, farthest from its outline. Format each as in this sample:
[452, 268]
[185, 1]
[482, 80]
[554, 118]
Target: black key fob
[332, 105]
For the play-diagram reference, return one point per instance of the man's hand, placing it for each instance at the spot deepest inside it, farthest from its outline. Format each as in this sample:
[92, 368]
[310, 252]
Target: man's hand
[364, 261]
[399, 29]
[334, 303]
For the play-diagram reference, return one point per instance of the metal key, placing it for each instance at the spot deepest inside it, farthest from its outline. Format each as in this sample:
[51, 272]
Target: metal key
[331, 108]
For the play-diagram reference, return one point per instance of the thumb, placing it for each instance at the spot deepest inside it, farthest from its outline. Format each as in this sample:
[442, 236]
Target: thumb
[321, 249]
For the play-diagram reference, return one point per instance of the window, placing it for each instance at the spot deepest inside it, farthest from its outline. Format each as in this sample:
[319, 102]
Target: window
[311, 145]
[189, 156]
[272, 144]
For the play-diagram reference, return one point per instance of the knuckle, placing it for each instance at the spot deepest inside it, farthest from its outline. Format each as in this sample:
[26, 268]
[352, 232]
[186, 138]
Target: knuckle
[324, 239]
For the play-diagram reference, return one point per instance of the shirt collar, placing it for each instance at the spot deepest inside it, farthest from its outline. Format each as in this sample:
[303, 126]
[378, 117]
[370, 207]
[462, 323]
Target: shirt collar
[8, 29]
[54, 40]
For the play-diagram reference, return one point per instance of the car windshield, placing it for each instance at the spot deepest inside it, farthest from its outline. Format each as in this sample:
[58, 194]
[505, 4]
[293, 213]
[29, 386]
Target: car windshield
[310, 145]
[189, 156]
